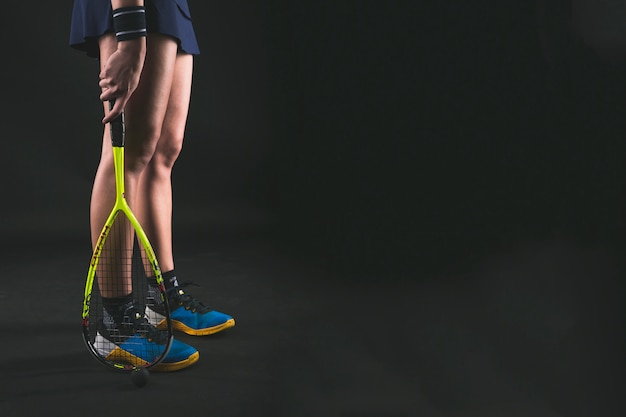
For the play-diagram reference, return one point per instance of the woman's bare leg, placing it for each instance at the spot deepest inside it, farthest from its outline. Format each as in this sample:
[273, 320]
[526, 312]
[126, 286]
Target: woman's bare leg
[145, 113]
[154, 202]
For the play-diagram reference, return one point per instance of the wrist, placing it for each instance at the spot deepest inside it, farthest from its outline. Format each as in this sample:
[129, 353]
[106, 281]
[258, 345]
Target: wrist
[132, 45]
[133, 49]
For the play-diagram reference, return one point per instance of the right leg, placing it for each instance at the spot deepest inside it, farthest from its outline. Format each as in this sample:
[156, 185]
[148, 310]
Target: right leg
[144, 117]
[145, 112]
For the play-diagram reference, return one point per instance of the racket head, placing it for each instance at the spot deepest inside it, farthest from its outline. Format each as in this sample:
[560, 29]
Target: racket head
[122, 263]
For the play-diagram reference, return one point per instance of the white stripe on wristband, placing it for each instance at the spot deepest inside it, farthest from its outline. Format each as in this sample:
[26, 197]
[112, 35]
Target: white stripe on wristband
[129, 23]
[126, 32]
[116, 13]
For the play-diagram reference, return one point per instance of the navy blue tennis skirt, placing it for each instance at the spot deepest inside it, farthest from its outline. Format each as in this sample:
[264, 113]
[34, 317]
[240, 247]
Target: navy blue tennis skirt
[93, 18]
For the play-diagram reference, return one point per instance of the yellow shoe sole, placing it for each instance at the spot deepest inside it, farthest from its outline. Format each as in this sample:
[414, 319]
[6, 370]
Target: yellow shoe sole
[175, 366]
[177, 325]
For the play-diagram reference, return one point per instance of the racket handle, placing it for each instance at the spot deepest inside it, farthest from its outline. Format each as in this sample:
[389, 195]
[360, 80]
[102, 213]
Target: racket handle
[118, 132]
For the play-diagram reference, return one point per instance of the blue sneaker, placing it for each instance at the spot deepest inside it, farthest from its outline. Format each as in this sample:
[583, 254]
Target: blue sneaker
[137, 342]
[189, 315]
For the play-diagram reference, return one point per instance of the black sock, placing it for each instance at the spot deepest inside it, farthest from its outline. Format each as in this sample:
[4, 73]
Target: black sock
[114, 307]
[169, 279]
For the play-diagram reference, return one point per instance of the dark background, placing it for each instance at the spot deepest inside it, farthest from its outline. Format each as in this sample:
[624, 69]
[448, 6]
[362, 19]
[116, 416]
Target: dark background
[404, 135]
[474, 148]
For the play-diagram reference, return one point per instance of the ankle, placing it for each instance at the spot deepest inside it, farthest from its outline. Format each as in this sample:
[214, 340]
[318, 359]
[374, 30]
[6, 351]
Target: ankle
[115, 308]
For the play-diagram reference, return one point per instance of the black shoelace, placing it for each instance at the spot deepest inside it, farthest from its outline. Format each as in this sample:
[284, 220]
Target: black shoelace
[135, 322]
[177, 297]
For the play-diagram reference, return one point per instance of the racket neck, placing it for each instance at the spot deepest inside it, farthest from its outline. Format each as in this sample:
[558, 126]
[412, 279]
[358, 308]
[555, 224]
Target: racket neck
[118, 162]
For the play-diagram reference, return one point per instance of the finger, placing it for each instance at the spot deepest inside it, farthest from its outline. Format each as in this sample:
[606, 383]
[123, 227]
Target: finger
[103, 79]
[108, 91]
[108, 94]
[115, 111]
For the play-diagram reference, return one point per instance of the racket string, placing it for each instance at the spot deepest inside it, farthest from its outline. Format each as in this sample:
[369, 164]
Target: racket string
[122, 271]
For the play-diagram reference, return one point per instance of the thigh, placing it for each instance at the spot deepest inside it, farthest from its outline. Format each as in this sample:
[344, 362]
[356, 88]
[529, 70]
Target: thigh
[177, 110]
[146, 109]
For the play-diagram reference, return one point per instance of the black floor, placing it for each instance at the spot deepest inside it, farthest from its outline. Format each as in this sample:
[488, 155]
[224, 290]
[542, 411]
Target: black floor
[537, 331]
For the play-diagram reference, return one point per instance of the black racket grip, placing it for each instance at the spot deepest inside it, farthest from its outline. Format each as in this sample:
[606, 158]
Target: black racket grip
[118, 130]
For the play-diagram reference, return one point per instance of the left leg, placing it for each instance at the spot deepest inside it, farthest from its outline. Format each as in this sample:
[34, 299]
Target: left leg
[154, 208]
[154, 202]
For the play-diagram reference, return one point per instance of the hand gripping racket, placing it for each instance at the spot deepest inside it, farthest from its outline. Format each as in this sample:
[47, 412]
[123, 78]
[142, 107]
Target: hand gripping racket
[122, 263]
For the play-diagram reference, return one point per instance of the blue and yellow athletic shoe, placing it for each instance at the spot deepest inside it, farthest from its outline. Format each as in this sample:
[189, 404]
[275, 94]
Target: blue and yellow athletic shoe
[137, 342]
[189, 315]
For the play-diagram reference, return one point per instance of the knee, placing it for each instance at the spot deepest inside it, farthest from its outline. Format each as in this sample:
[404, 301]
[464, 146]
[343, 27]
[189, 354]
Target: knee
[140, 148]
[169, 148]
